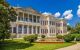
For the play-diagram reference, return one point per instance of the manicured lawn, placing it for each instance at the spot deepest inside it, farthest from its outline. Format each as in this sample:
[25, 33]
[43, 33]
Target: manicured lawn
[19, 44]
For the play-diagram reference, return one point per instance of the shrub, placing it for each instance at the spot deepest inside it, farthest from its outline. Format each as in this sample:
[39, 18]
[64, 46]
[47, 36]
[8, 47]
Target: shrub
[78, 38]
[30, 38]
[59, 36]
[43, 36]
[68, 38]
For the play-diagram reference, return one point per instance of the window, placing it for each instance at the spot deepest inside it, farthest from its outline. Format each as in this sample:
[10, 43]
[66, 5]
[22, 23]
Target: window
[50, 30]
[34, 18]
[34, 29]
[14, 29]
[30, 18]
[38, 19]
[25, 19]
[50, 22]
[20, 18]
[20, 29]
[25, 29]
[53, 23]
[30, 29]
[38, 30]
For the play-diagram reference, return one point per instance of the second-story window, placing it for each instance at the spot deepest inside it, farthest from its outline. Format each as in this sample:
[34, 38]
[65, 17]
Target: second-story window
[34, 18]
[38, 19]
[50, 22]
[20, 18]
[25, 17]
[30, 18]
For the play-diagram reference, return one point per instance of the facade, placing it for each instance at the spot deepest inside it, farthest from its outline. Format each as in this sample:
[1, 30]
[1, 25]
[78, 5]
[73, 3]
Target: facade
[29, 21]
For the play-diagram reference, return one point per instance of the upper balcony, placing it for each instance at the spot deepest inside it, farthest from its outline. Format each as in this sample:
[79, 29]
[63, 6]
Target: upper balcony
[28, 19]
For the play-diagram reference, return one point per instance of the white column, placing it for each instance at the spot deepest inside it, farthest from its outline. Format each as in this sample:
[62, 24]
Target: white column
[48, 28]
[17, 18]
[32, 30]
[17, 31]
[22, 29]
[28, 17]
[27, 29]
[40, 31]
[36, 19]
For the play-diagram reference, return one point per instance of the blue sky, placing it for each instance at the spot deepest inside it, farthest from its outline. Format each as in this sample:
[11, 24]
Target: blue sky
[52, 6]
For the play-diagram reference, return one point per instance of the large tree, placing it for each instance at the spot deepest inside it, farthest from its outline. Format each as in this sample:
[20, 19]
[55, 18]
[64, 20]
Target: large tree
[7, 15]
[69, 28]
[77, 28]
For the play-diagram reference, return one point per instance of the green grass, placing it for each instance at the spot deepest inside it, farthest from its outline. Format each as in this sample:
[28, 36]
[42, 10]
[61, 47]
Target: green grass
[19, 44]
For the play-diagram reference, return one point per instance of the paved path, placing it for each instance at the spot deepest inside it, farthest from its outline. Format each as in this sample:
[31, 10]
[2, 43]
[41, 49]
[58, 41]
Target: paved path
[73, 47]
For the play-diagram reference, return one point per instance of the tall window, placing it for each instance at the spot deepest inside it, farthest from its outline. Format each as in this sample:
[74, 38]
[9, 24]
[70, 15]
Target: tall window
[30, 29]
[30, 18]
[34, 30]
[14, 29]
[50, 22]
[38, 19]
[20, 18]
[25, 17]
[53, 23]
[20, 29]
[34, 18]
[25, 29]
[38, 30]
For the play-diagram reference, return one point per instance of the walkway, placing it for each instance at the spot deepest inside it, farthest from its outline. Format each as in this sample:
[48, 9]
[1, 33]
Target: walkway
[73, 47]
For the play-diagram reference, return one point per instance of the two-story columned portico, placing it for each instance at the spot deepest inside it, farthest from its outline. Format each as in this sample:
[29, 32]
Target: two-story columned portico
[30, 21]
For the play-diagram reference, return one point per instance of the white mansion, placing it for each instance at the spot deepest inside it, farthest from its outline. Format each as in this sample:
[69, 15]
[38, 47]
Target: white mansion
[29, 21]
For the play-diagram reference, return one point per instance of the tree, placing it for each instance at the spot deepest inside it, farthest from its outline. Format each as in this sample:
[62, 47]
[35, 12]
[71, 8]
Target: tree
[69, 28]
[7, 15]
[77, 28]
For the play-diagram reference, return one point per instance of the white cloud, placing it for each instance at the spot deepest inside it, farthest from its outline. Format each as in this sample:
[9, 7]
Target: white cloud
[78, 11]
[79, 6]
[57, 14]
[46, 13]
[68, 14]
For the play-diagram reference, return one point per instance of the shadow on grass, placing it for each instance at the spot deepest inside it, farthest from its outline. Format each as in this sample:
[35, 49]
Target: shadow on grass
[12, 45]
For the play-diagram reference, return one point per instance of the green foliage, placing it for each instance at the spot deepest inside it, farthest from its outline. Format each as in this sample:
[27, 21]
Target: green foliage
[30, 38]
[68, 38]
[43, 36]
[69, 27]
[76, 29]
[78, 38]
[6, 16]
[59, 36]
